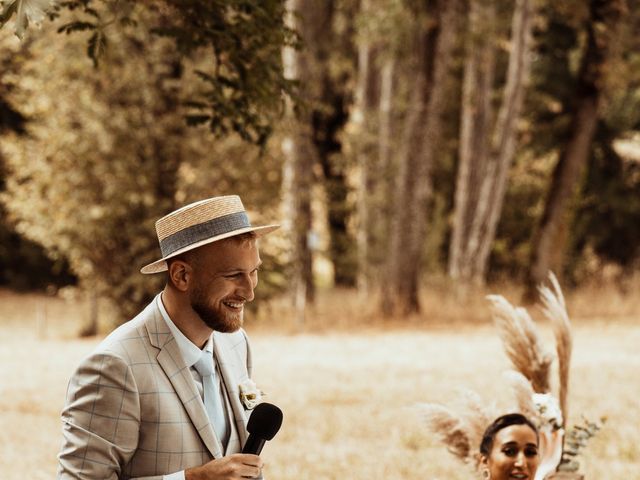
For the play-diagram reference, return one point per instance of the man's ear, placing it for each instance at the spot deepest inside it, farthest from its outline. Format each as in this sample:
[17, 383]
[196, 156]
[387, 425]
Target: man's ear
[180, 275]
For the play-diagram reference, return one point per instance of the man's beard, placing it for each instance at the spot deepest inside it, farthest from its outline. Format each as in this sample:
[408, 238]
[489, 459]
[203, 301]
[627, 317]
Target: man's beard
[220, 321]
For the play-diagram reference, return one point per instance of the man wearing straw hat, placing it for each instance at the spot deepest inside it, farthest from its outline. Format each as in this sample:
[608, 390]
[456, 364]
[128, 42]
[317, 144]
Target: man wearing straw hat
[167, 395]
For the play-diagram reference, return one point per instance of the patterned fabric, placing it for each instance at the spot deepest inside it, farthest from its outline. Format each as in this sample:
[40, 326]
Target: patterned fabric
[133, 409]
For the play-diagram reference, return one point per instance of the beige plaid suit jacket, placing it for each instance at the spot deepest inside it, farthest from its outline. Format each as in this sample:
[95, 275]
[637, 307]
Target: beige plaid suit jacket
[133, 409]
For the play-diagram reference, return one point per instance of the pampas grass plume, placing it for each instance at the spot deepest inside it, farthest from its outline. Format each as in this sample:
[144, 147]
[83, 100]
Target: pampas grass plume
[476, 414]
[522, 343]
[555, 309]
[449, 428]
[523, 393]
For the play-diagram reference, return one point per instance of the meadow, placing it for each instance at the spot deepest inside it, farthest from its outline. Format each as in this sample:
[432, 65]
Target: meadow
[349, 393]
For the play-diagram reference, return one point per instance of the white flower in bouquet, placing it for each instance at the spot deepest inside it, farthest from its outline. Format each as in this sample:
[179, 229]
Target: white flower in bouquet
[549, 410]
[550, 431]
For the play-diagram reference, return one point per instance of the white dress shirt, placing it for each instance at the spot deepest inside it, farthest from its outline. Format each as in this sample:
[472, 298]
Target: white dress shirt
[190, 354]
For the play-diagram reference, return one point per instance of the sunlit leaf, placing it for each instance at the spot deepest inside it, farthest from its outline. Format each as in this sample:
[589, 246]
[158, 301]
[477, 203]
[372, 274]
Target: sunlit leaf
[76, 27]
[193, 120]
[27, 11]
[7, 11]
[96, 46]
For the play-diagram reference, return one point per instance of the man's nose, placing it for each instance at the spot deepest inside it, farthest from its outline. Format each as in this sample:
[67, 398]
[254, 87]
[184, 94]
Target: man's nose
[246, 288]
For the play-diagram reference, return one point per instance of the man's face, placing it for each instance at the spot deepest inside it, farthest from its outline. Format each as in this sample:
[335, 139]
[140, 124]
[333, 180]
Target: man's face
[225, 274]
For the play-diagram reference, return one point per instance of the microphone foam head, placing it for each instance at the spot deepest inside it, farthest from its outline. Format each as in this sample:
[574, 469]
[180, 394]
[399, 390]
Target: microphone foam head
[265, 421]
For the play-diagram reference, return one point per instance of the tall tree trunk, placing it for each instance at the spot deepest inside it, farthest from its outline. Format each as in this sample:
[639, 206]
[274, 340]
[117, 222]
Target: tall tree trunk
[320, 119]
[550, 239]
[384, 191]
[384, 114]
[327, 124]
[482, 174]
[476, 119]
[414, 187]
[297, 178]
[362, 133]
[372, 131]
[330, 103]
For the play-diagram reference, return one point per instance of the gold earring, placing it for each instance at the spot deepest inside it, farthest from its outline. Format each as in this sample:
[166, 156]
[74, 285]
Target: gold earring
[486, 474]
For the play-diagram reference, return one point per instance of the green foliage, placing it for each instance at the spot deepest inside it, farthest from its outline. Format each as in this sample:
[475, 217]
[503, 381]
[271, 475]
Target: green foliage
[107, 151]
[24, 264]
[575, 441]
[606, 210]
[97, 44]
[242, 81]
[244, 40]
[98, 21]
[242, 84]
[99, 163]
[10, 120]
[607, 221]
[553, 79]
[523, 205]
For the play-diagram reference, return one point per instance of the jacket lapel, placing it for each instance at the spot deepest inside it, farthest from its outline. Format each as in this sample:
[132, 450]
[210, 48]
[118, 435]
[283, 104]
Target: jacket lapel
[231, 384]
[171, 362]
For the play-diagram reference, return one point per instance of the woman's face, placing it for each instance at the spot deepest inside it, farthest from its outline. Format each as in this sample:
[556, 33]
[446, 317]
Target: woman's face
[514, 454]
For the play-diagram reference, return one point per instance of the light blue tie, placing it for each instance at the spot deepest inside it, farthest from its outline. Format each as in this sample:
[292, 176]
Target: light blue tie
[212, 398]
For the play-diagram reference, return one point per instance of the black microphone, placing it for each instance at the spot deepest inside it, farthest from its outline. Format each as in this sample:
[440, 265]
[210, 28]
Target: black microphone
[263, 425]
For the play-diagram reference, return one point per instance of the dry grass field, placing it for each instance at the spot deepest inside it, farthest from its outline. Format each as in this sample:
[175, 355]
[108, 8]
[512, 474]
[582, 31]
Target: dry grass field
[349, 396]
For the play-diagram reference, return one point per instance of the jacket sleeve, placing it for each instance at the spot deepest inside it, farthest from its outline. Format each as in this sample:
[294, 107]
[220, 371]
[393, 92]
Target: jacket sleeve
[100, 420]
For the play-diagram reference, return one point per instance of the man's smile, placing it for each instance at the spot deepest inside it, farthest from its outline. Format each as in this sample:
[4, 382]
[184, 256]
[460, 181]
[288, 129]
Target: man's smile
[233, 305]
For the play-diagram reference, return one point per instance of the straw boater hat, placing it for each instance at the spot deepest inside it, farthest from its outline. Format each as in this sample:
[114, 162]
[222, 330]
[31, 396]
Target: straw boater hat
[201, 223]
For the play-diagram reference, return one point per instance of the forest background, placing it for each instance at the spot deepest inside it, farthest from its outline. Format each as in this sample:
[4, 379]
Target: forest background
[418, 154]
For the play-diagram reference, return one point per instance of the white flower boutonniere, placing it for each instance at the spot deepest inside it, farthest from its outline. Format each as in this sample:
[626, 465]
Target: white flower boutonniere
[250, 395]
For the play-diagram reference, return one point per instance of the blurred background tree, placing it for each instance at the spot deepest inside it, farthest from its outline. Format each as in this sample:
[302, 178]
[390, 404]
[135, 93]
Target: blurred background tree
[107, 151]
[419, 139]
[24, 264]
[99, 160]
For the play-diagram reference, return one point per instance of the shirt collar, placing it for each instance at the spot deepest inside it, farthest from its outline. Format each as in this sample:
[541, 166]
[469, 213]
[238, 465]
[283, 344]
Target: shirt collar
[189, 351]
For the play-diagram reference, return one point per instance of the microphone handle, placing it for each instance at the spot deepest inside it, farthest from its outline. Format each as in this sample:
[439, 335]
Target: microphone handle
[254, 445]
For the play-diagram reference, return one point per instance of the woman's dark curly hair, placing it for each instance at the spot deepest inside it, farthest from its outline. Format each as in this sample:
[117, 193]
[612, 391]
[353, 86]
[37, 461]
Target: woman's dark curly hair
[499, 423]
